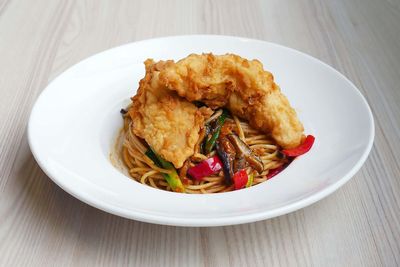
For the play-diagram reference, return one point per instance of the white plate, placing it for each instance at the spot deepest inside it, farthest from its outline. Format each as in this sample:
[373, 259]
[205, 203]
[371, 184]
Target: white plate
[75, 120]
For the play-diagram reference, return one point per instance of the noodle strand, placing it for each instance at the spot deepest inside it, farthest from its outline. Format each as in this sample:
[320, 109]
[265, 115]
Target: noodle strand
[142, 169]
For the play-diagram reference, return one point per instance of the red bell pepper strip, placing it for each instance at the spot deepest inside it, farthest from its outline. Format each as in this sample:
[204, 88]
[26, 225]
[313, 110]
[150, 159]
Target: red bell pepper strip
[240, 179]
[205, 168]
[301, 149]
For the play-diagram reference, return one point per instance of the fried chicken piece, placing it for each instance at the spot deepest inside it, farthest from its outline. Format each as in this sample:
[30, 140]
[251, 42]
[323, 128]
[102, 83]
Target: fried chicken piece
[169, 124]
[241, 85]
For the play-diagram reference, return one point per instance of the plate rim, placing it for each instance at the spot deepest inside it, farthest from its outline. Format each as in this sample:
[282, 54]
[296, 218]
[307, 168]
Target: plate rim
[205, 222]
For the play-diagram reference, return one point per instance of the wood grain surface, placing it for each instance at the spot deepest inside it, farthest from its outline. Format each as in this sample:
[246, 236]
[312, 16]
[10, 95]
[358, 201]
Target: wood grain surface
[41, 225]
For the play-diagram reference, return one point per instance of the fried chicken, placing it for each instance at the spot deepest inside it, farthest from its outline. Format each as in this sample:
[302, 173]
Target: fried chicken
[240, 85]
[169, 124]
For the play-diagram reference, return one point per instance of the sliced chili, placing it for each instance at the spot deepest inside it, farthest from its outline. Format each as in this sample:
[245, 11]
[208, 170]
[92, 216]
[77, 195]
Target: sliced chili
[301, 149]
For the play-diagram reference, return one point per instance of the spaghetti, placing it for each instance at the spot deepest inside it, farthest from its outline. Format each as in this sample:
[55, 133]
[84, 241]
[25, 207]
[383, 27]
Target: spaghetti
[142, 169]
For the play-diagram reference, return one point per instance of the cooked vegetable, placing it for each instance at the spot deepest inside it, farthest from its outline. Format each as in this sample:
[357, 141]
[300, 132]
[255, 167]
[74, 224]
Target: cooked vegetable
[240, 179]
[204, 136]
[172, 178]
[239, 163]
[226, 153]
[275, 171]
[250, 180]
[301, 149]
[250, 157]
[205, 168]
[215, 129]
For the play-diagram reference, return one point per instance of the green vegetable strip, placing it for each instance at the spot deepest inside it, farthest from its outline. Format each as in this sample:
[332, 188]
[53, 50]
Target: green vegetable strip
[153, 157]
[173, 178]
[250, 180]
[210, 144]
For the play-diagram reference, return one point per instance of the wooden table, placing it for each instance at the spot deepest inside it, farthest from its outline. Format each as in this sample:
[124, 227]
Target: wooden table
[40, 224]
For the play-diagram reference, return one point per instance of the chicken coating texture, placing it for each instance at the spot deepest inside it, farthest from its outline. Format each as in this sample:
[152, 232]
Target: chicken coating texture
[169, 124]
[240, 85]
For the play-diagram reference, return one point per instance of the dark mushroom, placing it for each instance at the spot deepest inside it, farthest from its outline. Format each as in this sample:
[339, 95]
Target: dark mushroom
[239, 163]
[254, 161]
[226, 153]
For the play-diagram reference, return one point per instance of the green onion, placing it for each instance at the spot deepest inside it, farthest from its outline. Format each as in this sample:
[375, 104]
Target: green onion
[172, 178]
[210, 142]
[250, 180]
